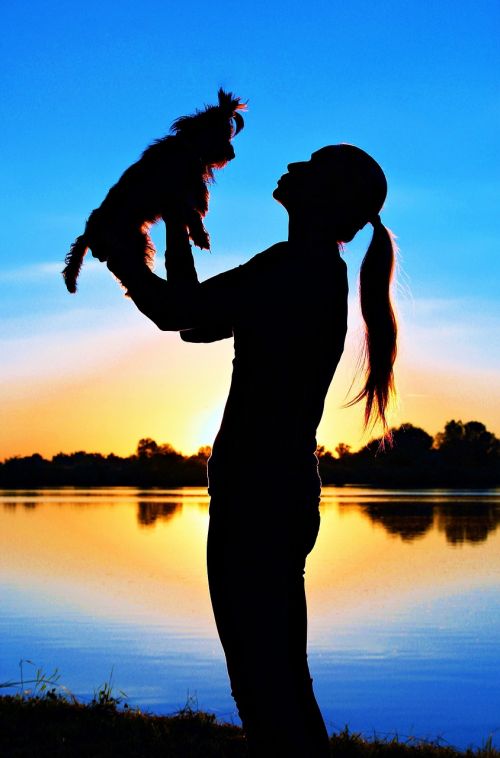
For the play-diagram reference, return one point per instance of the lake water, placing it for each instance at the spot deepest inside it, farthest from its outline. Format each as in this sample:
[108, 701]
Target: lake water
[403, 593]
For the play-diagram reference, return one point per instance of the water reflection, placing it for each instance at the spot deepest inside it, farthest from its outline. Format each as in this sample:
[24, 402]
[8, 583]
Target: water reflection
[91, 579]
[472, 521]
[27, 505]
[149, 511]
[408, 520]
[461, 516]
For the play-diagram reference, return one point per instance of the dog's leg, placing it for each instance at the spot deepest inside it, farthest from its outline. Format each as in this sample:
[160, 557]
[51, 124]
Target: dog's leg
[197, 231]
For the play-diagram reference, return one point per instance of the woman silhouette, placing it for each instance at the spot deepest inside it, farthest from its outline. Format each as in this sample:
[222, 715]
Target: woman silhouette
[287, 311]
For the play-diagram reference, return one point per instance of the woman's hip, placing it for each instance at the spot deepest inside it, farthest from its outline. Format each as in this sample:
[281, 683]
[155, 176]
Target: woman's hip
[270, 528]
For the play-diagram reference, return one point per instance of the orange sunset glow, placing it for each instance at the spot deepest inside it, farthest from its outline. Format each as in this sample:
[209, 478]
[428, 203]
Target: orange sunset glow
[103, 391]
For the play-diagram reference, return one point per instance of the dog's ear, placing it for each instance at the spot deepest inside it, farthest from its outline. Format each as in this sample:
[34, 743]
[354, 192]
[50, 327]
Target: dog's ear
[238, 123]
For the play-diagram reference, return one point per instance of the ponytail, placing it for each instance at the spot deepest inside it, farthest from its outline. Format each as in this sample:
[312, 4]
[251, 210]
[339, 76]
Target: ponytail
[379, 351]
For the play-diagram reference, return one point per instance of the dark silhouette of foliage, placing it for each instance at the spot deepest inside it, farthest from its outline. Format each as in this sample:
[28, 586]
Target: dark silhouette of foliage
[153, 465]
[471, 520]
[146, 448]
[52, 725]
[149, 511]
[409, 520]
[462, 455]
[469, 444]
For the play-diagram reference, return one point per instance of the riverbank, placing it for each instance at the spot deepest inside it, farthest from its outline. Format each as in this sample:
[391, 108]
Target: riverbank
[64, 728]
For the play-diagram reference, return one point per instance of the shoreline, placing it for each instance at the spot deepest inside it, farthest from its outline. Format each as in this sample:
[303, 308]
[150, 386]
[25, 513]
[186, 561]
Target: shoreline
[391, 487]
[59, 726]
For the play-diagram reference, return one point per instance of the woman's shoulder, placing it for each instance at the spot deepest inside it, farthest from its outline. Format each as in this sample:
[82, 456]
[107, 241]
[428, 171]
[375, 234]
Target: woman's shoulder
[279, 264]
[269, 257]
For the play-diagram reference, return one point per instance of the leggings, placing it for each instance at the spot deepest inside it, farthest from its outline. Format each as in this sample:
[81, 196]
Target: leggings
[256, 559]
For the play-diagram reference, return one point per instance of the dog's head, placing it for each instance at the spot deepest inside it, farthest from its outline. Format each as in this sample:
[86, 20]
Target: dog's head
[211, 130]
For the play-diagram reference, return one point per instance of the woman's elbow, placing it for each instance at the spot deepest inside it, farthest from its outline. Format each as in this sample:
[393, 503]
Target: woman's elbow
[173, 322]
[167, 325]
[166, 320]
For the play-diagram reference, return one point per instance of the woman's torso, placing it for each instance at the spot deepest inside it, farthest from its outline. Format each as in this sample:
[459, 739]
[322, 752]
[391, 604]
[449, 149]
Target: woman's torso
[289, 330]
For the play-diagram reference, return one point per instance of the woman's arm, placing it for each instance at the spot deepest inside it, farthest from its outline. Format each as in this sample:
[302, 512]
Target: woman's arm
[179, 261]
[180, 269]
[181, 303]
[204, 334]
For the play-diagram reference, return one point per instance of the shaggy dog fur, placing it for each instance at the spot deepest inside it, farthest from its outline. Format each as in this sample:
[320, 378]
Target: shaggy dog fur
[170, 179]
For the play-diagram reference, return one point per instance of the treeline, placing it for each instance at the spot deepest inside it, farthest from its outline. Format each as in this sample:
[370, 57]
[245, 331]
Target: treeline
[152, 465]
[462, 455]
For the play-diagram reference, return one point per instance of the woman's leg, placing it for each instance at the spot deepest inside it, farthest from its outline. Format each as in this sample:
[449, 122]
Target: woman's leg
[256, 575]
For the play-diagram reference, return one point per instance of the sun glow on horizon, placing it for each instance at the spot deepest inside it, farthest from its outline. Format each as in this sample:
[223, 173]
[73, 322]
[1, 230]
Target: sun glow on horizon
[175, 392]
[99, 377]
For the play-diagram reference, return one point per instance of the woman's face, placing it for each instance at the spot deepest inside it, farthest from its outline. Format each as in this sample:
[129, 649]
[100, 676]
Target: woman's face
[295, 187]
[334, 189]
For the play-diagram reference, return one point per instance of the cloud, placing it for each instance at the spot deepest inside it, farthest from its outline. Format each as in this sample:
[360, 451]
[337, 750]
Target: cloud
[32, 273]
[461, 334]
[75, 345]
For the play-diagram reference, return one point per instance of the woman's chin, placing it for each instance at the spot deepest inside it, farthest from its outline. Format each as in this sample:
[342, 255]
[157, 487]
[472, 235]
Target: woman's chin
[278, 195]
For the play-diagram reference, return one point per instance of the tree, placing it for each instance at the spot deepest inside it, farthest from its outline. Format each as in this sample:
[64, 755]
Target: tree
[469, 444]
[146, 447]
[342, 450]
[204, 452]
[408, 444]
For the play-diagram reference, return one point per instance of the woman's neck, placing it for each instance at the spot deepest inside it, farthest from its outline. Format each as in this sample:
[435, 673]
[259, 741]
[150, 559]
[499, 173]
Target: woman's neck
[310, 238]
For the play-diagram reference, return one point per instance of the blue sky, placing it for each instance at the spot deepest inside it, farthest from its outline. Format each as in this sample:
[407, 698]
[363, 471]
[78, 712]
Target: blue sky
[416, 84]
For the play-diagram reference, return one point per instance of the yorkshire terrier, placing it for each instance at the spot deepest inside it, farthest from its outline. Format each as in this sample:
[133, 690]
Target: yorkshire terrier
[170, 178]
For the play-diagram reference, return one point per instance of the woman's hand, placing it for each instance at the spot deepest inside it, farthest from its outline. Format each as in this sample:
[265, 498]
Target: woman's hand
[177, 233]
[125, 267]
[179, 261]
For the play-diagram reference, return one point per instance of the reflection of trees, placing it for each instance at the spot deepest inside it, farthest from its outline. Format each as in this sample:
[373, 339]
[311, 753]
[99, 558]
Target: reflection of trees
[27, 505]
[467, 522]
[460, 522]
[149, 511]
[408, 520]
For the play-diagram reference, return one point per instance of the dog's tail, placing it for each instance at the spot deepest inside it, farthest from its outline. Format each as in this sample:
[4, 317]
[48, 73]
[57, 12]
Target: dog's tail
[73, 261]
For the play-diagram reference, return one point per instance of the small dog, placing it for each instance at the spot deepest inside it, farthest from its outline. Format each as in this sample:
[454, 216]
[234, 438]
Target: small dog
[170, 178]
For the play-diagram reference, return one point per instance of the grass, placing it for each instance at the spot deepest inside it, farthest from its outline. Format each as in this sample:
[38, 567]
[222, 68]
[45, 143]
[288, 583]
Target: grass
[47, 720]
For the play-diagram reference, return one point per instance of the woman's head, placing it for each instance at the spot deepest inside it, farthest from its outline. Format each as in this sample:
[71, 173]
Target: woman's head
[341, 187]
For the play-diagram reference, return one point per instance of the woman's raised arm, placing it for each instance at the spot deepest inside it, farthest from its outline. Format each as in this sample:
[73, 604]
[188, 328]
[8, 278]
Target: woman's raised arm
[181, 302]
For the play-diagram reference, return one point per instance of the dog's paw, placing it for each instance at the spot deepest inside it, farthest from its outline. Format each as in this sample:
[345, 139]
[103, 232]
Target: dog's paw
[201, 239]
